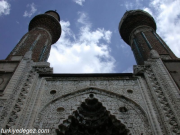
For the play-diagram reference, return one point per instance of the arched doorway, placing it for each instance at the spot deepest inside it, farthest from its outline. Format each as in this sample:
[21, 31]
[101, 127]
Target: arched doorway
[92, 118]
[91, 109]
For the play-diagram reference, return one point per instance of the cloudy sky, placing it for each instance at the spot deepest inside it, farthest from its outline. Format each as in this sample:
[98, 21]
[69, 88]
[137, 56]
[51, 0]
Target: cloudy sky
[90, 41]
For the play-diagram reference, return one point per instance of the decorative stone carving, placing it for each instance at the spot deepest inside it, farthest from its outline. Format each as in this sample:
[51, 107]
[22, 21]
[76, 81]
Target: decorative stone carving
[46, 70]
[15, 99]
[134, 118]
[92, 118]
[70, 85]
[20, 101]
[43, 67]
[53, 102]
[138, 69]
[164, 107]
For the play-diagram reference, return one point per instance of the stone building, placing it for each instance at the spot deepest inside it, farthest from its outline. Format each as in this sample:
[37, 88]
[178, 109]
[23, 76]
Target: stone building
[145, 102]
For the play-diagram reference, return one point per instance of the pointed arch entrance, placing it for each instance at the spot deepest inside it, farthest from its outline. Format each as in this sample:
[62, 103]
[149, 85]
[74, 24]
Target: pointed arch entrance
[93, 111]
[92, 118]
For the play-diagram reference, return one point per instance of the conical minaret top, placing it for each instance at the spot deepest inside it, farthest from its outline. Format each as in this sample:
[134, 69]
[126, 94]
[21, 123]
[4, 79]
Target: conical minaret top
[138, 29]
[44, 30]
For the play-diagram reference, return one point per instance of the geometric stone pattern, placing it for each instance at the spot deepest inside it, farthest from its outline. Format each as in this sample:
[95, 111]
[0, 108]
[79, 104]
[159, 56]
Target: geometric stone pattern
[165, 95]
[166, 111]
[150, 97]
[64, 86]
[16, 92]
[91, 117]
[134, 118]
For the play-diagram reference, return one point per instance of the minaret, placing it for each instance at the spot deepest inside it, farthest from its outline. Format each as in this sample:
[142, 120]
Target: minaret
[44, 30]
[138, 29]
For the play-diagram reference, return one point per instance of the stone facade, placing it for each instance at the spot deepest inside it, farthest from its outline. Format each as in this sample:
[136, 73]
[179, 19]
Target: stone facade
[145, 102]
[34, 95]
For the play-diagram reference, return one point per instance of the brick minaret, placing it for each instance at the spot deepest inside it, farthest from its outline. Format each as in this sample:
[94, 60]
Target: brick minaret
[138, 29]
[44, 30]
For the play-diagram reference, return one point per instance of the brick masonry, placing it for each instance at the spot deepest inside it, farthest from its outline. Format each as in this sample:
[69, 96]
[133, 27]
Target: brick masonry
[141, 27]
[44, 30]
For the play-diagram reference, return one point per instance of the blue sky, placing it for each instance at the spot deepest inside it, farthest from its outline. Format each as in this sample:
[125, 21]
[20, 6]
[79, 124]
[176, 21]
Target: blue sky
[90, 41]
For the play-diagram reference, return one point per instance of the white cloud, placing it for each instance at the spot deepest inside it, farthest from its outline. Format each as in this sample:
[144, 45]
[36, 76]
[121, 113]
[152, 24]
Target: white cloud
[80, 2]
[4, 7]
[107, 36]
[167, 16]
[84, 53]
[128, 5]
[139, 3]
[31, 11]
[83, 18]
[148, 10]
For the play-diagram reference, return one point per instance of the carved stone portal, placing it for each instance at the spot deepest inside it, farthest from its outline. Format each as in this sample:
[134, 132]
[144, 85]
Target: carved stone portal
[93, 112]
[91, 118]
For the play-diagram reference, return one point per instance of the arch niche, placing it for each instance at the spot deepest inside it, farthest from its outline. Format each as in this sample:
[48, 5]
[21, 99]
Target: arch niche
[93, 112]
